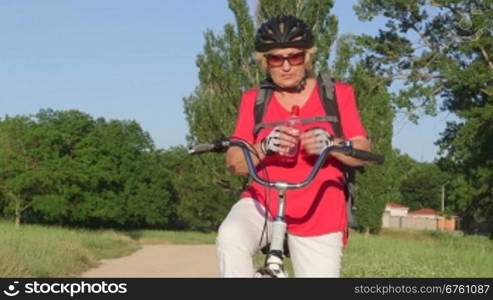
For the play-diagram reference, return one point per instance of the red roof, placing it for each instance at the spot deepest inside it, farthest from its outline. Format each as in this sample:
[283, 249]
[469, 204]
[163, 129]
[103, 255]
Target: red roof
[424, 211]
[396, 205]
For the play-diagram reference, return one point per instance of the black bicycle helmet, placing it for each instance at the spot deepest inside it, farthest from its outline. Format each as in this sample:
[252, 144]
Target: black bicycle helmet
[283, 32]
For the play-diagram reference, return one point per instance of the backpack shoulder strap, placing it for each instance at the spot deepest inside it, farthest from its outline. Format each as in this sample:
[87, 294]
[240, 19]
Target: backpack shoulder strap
[326, 90]
[261, 101]
[326, 86]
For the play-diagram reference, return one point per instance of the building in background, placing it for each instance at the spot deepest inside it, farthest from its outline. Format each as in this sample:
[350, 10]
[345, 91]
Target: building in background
[392, 215]
[398, 216]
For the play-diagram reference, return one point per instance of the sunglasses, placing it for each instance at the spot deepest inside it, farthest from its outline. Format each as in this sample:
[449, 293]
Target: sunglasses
[295, 59]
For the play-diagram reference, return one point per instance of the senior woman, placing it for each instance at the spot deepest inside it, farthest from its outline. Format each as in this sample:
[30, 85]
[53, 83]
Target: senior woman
[316, 215]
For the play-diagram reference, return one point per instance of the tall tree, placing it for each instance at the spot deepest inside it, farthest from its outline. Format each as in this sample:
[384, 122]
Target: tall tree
[375, 187]
[441, 50]
[19, 177]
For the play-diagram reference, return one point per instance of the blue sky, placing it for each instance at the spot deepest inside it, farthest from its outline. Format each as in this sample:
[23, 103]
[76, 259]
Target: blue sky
[134, 60]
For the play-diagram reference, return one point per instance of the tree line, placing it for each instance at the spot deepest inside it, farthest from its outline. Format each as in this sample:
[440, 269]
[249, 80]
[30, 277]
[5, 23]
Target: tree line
[67, 168]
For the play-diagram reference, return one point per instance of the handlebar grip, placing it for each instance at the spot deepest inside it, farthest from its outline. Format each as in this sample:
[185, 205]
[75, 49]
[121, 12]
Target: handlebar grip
[217, 146]
[202, 148]
[368, 156]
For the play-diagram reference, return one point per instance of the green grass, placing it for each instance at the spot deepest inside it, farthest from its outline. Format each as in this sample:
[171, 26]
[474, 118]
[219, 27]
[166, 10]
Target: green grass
[42, 251]
[47, 251]
[417, 254]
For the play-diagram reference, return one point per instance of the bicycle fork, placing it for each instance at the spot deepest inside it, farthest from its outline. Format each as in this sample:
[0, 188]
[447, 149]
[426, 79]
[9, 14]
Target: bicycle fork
[274, 263]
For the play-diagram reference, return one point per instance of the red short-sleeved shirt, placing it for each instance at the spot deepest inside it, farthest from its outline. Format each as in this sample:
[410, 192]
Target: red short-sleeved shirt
[320, 207]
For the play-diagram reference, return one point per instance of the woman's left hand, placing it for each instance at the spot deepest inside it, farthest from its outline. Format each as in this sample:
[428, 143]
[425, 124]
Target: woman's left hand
[315, 140]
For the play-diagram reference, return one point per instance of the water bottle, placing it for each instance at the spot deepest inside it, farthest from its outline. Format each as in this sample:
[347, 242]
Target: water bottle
[294, 122]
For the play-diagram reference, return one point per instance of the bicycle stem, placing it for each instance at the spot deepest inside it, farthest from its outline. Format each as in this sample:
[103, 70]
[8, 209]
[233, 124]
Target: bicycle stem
[279, 225]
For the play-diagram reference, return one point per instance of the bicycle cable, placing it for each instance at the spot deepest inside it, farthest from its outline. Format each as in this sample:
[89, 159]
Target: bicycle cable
[265, 173]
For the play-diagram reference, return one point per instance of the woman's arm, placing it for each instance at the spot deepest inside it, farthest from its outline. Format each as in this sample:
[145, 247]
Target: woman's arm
[236, 162]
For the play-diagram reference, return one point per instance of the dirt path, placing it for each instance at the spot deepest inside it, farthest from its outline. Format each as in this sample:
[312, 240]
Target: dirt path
[161, 261]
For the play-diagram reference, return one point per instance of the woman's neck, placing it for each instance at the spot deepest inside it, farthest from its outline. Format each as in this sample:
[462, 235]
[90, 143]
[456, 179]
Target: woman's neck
[289, 98]
[294, 89]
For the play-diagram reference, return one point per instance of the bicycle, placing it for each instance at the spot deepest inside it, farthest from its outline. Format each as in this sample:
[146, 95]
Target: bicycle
[274, 263]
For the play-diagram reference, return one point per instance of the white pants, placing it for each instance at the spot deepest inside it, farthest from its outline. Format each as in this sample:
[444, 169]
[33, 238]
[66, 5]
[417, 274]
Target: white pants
[239, 236]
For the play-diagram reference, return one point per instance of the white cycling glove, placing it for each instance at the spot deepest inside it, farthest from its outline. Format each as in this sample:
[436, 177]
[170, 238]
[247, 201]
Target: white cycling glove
[323, 138]
[270, 144]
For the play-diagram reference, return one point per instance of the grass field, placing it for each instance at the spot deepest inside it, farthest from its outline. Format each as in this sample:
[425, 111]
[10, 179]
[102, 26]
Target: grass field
[418, 254]
[42, 251]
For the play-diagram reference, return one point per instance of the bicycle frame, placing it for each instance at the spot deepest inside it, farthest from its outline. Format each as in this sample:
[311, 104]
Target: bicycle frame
[274, 263]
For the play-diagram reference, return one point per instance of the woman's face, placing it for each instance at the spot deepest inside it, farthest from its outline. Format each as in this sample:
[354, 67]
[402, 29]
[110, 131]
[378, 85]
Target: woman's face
[286, 66]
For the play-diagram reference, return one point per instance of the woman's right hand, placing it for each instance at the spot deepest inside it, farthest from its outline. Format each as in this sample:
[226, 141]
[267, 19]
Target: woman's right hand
[280, 140]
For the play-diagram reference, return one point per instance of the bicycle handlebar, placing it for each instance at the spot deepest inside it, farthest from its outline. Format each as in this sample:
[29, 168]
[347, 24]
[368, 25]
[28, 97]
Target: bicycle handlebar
[216, 146]
[361, 154]
[346, 148]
